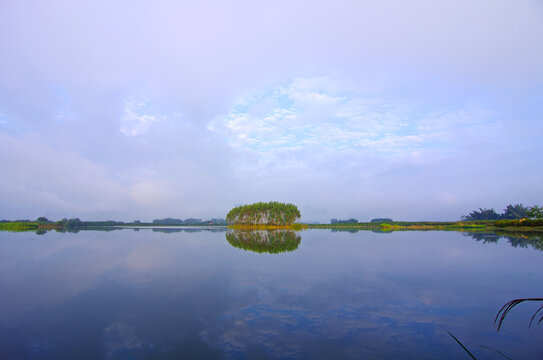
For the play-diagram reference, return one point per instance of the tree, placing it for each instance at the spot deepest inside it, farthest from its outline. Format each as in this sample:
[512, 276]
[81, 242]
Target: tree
[535, 212]
[69, 224]
[272, 213]
[517, 211]
[482, 214]
[42, 219]
[381, 220]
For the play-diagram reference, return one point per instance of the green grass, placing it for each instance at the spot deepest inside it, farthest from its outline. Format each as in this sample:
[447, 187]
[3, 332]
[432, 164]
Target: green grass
[17, 226]
[408, 225]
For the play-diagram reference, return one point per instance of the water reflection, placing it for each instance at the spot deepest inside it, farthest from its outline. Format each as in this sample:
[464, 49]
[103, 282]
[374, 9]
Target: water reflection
[188, 230]
[167, 230]
[144, 294]
[264, 241]
[515, 239]
[277, 241]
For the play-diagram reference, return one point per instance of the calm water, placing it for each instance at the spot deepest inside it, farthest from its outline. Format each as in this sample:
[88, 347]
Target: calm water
[316, 294]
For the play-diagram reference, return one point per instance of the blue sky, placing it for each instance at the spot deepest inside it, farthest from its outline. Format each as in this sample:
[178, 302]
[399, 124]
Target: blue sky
[139, 110]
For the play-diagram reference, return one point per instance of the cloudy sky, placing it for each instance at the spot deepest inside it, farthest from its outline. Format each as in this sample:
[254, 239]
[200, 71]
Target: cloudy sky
[415, 110]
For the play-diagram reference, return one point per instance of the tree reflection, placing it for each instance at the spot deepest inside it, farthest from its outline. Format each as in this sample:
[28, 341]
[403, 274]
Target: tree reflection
[188, 230]
[515, 239]
[486, 238]
[264, 241]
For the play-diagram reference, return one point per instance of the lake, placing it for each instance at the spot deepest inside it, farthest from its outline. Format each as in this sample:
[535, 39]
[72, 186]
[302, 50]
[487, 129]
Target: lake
[316, 294]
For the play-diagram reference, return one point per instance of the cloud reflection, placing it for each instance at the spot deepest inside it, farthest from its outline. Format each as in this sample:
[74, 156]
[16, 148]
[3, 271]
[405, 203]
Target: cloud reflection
[350, 295]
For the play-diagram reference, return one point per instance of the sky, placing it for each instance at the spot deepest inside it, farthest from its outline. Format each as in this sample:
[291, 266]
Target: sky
[413, 110]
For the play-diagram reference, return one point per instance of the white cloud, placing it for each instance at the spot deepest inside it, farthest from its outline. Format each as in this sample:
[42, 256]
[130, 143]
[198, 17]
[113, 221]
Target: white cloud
[136, 121]
[394, 154]
[347, 122]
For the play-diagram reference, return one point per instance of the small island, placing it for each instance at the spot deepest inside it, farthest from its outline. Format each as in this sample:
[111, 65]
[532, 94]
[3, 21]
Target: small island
[264, 215]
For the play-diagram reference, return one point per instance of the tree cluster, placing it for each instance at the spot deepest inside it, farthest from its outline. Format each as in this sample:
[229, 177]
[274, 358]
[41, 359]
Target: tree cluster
[536, 212]
[511, 212]
[276, 213]
[382, 220]
[189, 221]
[348, 221]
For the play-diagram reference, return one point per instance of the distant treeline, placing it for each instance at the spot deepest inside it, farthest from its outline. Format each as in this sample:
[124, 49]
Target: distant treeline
[348, 221]
[382, 220]
[355, 221]
[43, 223]
[511, 212]
[189, 221]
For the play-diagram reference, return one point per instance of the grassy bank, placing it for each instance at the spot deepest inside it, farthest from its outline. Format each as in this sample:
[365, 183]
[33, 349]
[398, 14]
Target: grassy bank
[17, 226]
[406, 225]
[483, 225]
[523, 225]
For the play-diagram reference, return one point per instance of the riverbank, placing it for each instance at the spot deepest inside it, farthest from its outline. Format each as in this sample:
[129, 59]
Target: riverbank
[490, 225]
[464, 226]
[17, 226]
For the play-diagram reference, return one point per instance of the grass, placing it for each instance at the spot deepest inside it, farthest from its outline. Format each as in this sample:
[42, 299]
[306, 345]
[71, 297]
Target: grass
[487, 225]
[460, 343]
[500, 316]
[498, 321]
[481, 346]
[405, 225]
[502, 226]
[19, 226]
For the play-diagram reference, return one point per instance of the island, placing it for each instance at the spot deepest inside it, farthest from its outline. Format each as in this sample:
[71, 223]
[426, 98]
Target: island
[264, 215]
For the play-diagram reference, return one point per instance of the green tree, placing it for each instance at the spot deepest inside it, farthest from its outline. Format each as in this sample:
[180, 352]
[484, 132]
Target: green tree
[517, 211]
[535, 212]
[276, 213]
[482, 214]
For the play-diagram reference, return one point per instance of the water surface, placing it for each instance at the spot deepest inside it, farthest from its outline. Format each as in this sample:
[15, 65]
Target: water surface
[201, 293]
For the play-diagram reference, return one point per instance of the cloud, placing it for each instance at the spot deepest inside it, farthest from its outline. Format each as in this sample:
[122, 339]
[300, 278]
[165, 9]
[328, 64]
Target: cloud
[135, 120]
[311, 113]
[279, 101]
[380, 147]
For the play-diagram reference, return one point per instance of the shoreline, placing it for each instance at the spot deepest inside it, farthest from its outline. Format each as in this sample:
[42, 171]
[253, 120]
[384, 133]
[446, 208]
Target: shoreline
[463, 226]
